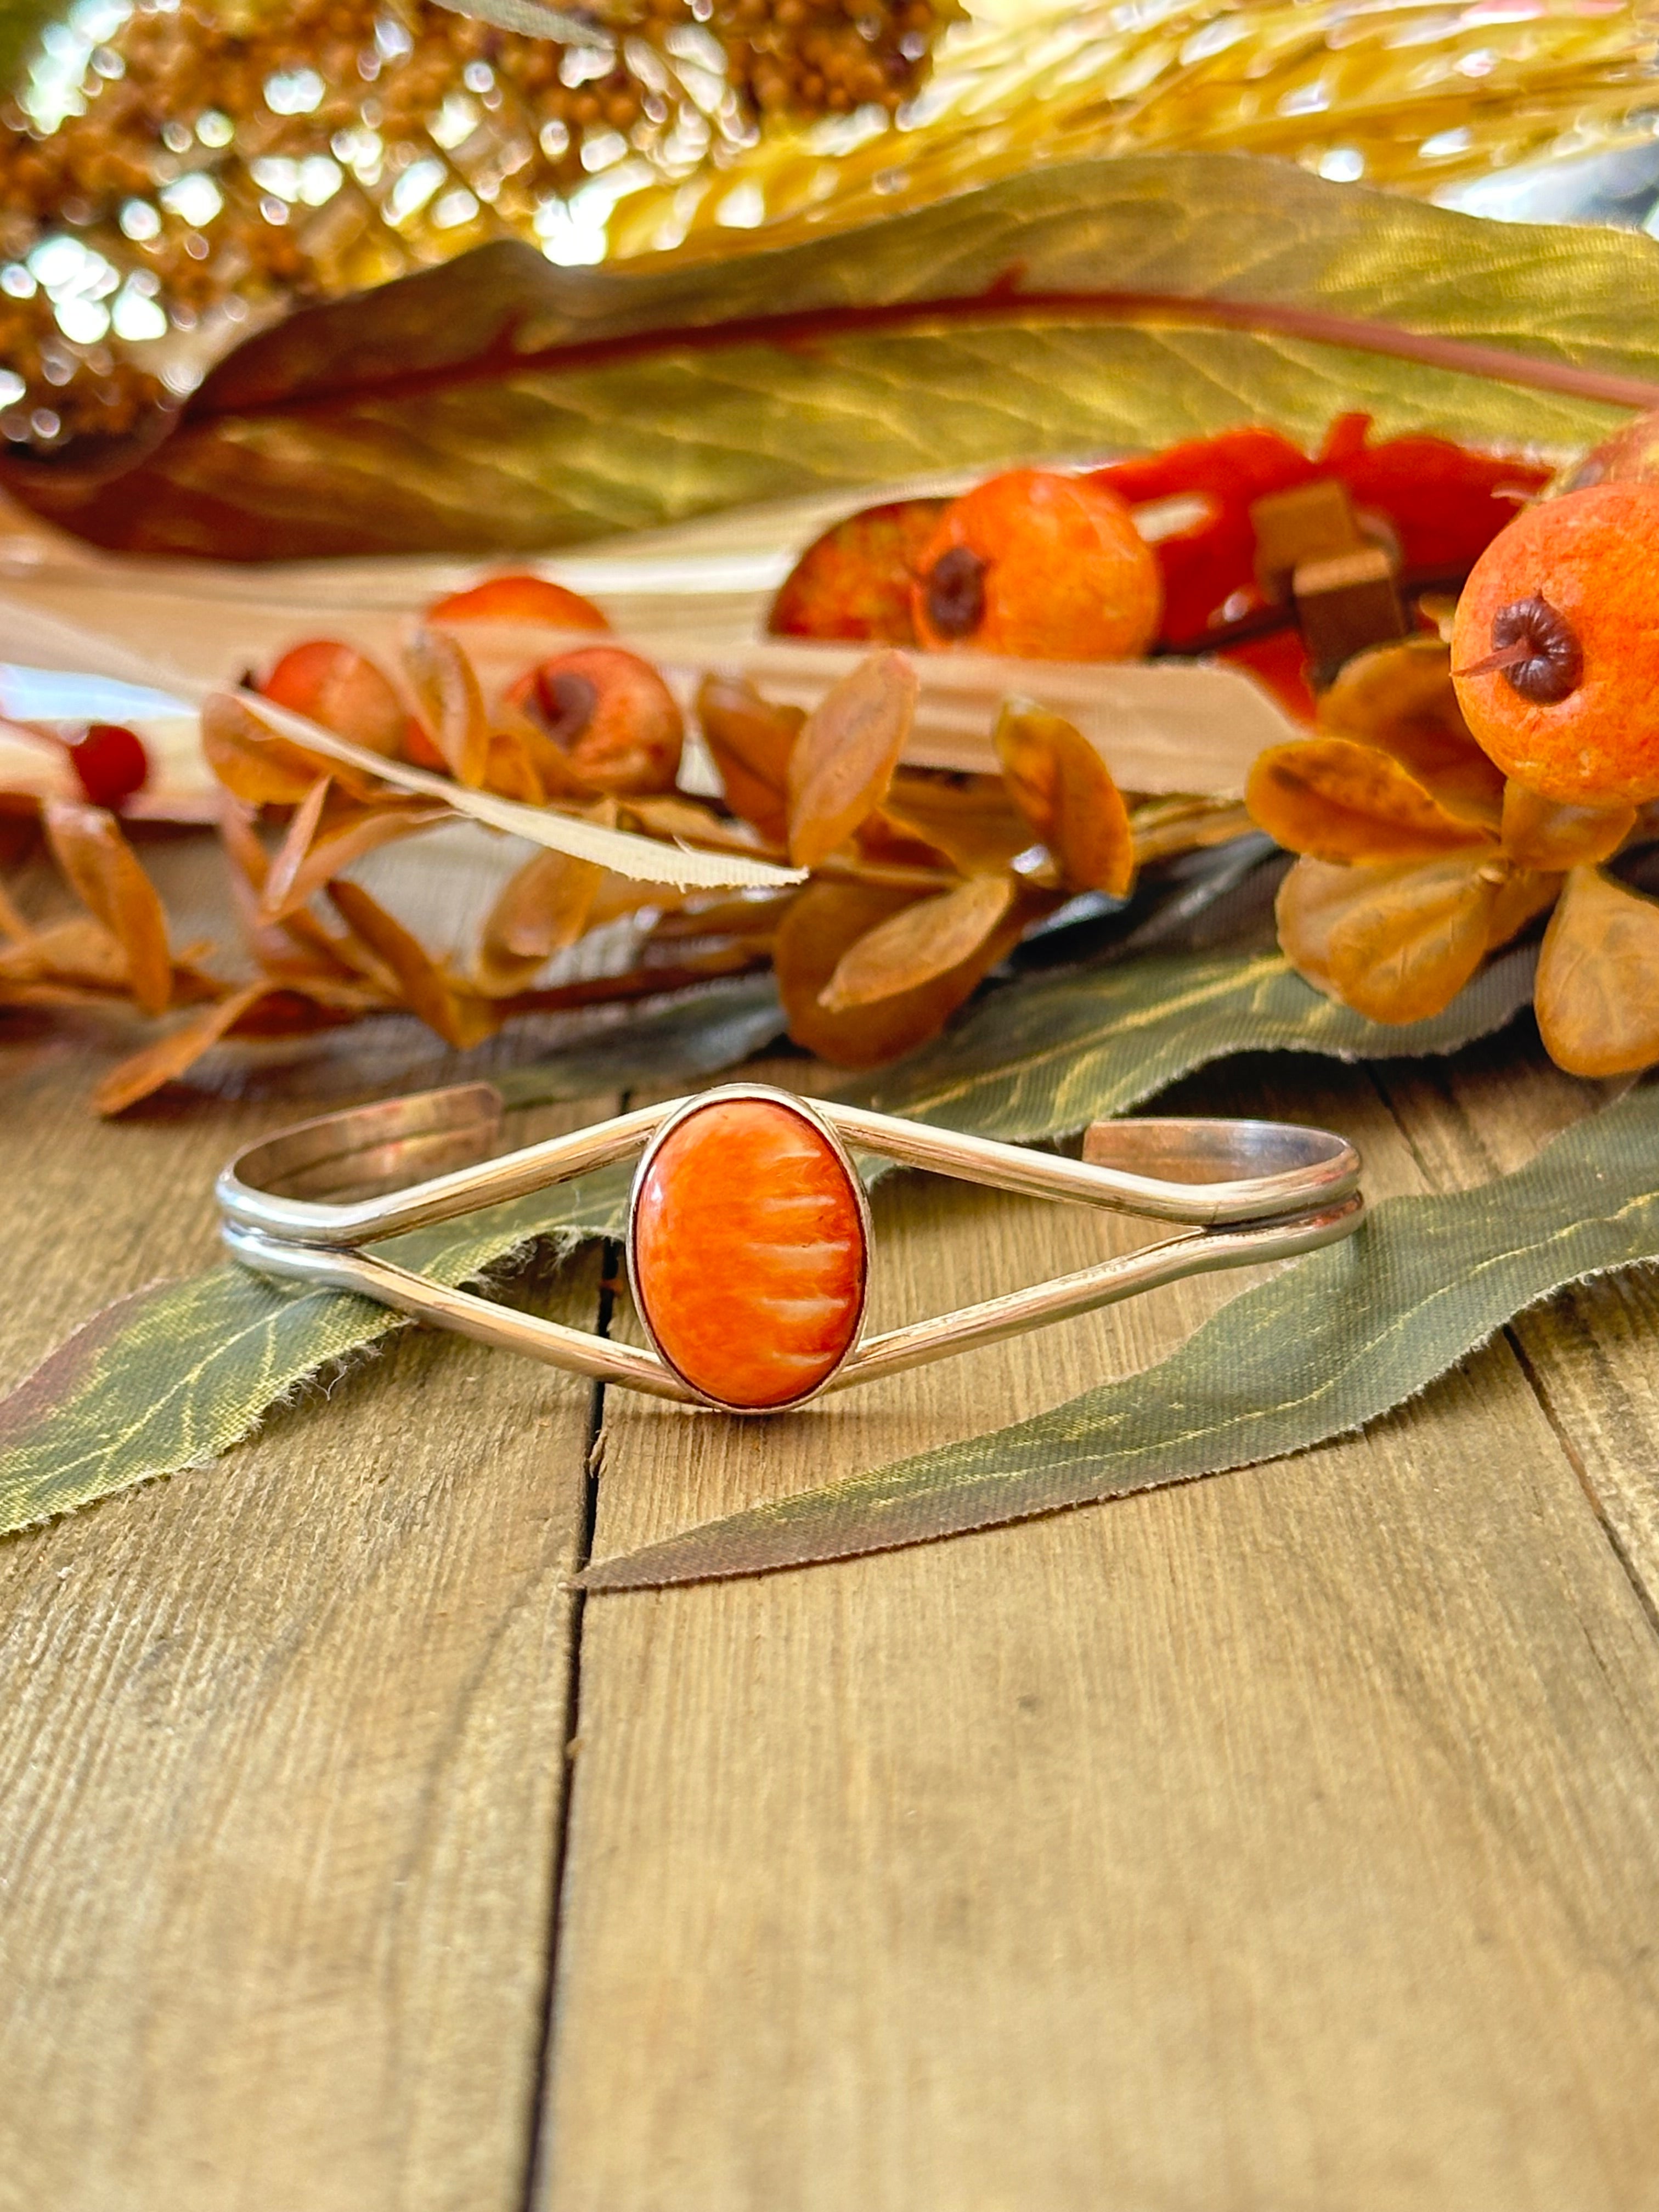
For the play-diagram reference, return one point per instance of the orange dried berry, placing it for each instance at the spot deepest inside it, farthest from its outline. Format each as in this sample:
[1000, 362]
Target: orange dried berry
[1555, 652]
[855, 580]
[520, 599]
[608, 716]
[340, 687]
[1044, 566]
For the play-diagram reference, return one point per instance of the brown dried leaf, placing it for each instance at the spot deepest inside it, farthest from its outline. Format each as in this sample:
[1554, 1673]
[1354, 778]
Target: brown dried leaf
[461, 1017]
[343, 835]
[969, 819]
[540, 910]
[825, 919]
[751, 742]
[256, 766]
[80, 952]
[1165, 827]
[510, 769]
[919, 943]
[1336, 800]
[685, 822]
[1396, 943]
[1597, 992]
[170, 1055]
[450, 704]
[1538, 834]
[1402, 699]
[844, 758]
[1066, 792]
[12, 924]
[105, 872]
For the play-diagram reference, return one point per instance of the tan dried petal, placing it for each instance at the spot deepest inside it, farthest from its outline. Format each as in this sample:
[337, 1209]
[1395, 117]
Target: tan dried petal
[450, 704]
[80, 950]
[844, 758]
[1401, 698]
[1396, 943]
[542, 908]
[751, 741]
[1336, 800]
[459, 1017]
[1597, 992]
[1538, 834]
[825, 919]
[105, 874]
[1164, 827]
[1522, 894]
[924, 940]
[1066, 792]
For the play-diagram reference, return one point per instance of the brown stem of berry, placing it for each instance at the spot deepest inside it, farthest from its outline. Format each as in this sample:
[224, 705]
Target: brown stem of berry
[564, 706]
[956, 593]
[1535, 650]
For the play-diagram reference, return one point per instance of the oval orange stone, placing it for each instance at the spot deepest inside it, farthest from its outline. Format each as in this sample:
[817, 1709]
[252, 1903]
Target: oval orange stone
[748, 1252]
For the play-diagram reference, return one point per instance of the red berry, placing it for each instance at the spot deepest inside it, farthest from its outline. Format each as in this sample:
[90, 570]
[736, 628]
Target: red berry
[110, 762]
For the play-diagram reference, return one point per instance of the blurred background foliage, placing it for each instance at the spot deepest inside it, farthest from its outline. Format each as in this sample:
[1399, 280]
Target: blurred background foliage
[177, 172]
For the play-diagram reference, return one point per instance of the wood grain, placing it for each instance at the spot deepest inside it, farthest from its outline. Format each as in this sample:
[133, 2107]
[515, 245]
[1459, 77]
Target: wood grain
[281, 1743]
[1290, 1840]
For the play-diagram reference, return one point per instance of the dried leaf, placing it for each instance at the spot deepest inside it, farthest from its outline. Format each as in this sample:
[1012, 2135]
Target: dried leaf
[1066, 792]
[646, 859]
[1336, 799]
[498, 401]
[843, 760]
[750, 742]
[824, 922]
[1597, 993]
[255, 767]
[919, 944]
[297, 841]
[170, 1055]
[1538, 834]
[1164, 827]
[459, 1017]
[968, 819]
[451, 705]
[12, 924]
[1522, 895]
[542, 908]
[687, 823]
[80, 952]
[1396, 943]
[1401, 698]
[344, 834]
[105, 872]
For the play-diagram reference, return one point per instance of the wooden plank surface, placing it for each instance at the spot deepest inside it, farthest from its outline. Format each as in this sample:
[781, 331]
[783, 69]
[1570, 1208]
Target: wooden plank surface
[281, 1743]
[1289, 1840]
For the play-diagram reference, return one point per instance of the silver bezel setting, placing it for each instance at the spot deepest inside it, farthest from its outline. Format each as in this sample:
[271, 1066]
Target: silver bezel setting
[766, 1095]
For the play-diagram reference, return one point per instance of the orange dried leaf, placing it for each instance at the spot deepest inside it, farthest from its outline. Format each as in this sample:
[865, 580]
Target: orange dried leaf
[343, 836]
[540, 910]
[751, 742]
[1401, 698]
[80, 952]
[170, 1055]
[1538, 834]
[451, 705]
[1597, 992]
[12, 924]
[105, 874]
[1336, 800]
[255, 767]
[1396, 943]
[825, 921]
[1522, 894]
[510, 769]
[461, 1017]
[1066, 792]
[844, 758]
[1164, 827]
[918, 944]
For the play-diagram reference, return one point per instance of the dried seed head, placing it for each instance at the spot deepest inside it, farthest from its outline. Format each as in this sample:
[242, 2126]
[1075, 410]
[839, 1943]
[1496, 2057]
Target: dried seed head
[1536, 651]
[956, 593]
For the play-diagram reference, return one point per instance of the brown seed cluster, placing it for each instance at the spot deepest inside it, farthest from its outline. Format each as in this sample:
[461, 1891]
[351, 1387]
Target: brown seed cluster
[212, 159]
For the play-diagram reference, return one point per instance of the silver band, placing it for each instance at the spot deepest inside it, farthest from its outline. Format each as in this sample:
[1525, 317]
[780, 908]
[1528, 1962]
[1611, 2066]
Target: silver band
[1252, 1191]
